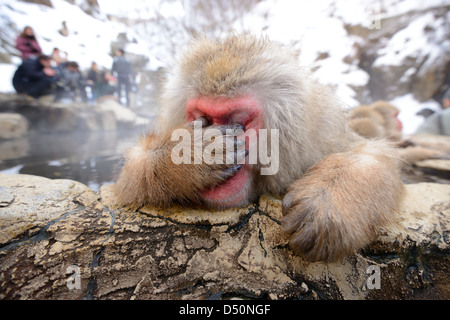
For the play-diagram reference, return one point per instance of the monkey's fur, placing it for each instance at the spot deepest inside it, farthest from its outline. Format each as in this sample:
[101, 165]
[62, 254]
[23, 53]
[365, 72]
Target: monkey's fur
[379, 120]
[339, 187]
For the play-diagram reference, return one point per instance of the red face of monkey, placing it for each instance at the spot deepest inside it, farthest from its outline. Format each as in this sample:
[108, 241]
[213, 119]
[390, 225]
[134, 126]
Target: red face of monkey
[244, 110]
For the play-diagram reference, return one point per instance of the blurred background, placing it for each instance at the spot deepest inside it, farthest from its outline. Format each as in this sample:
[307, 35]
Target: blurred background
[368, 50]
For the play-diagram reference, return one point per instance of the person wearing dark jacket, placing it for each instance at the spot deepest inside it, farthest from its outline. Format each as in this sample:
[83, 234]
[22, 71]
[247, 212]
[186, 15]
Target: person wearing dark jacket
[34, 77]
[93, 80]
[70, 83]
[439, 122]
[27, 44]
[123, 70]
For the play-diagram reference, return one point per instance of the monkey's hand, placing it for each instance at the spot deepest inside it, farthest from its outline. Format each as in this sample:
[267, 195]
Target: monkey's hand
[161, 170]
[216, 155]
[339, 204]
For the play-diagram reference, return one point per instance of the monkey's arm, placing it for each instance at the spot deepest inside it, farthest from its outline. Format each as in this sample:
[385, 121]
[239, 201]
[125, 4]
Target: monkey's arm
[149, 175]
[337, 207]
[413, 154]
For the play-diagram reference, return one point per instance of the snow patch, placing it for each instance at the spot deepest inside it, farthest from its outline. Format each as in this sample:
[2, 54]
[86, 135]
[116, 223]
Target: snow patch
[6, 72]
[409, 107]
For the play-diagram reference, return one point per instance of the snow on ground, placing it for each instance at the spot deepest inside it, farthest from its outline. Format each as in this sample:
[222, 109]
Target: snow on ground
[319, 25]
[412, 42]
[408, 108]
[89, 38]
[6, 72]
[318, 33]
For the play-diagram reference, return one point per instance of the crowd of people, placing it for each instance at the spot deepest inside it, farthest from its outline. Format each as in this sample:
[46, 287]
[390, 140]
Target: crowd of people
[40, 74]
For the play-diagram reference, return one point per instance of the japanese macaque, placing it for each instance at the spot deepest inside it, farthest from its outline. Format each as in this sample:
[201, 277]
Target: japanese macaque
[339, 187]
[380, 120]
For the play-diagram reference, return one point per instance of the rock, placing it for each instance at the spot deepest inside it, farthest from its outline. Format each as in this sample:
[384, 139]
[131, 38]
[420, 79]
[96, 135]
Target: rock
[12, 126]
[414, 254]
[47, 3]
[29, 203]
[405, 55]
[64, 31]
[91, 7]
[13, 149]
[71, 244]
[126, 118]
[45, 116]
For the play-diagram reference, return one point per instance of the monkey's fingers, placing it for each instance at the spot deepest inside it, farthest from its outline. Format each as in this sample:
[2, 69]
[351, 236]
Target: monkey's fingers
[235, 153]
[204, 122]
[231, 171]
[234, 129]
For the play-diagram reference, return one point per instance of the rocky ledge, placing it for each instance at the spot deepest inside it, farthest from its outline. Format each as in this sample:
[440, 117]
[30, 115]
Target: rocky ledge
[19, 114]
[60, 240]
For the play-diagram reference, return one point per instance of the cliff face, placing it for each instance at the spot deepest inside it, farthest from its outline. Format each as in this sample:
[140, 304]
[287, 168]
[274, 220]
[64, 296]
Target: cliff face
[407, 54]
[60, 240]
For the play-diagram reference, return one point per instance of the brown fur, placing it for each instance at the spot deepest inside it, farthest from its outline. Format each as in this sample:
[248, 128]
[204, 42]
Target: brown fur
[150, 177]
[377, 121]
[337, 203]
[340, 188]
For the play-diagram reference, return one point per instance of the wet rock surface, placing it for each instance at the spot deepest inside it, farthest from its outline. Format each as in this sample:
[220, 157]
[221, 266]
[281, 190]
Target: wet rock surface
[45, 116]
[60, 240]
[12, 126]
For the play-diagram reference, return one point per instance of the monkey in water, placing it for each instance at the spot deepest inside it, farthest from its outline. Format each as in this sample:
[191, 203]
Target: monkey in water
[380, 120]
[338, 187]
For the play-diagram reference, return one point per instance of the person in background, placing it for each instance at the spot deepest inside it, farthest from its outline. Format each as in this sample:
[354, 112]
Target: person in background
[57, 58]
[27, 44]
[438, 122]
[123, 70]
[34, 77]
[106, 86]
[93, 80]
[70, 83]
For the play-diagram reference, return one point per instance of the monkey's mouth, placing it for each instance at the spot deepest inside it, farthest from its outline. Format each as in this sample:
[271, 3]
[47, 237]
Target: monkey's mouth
[232, 192]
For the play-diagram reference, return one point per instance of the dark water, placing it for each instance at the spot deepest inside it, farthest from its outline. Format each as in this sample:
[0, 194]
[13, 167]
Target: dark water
[94, 159]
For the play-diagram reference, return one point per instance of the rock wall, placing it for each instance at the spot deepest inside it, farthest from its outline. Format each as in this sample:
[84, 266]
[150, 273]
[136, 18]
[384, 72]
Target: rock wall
[60, 240]
[405, 55]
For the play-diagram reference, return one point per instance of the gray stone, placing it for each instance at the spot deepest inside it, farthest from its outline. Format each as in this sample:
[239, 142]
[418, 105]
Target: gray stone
[50, 227]
[46, 116]
[12, 126]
